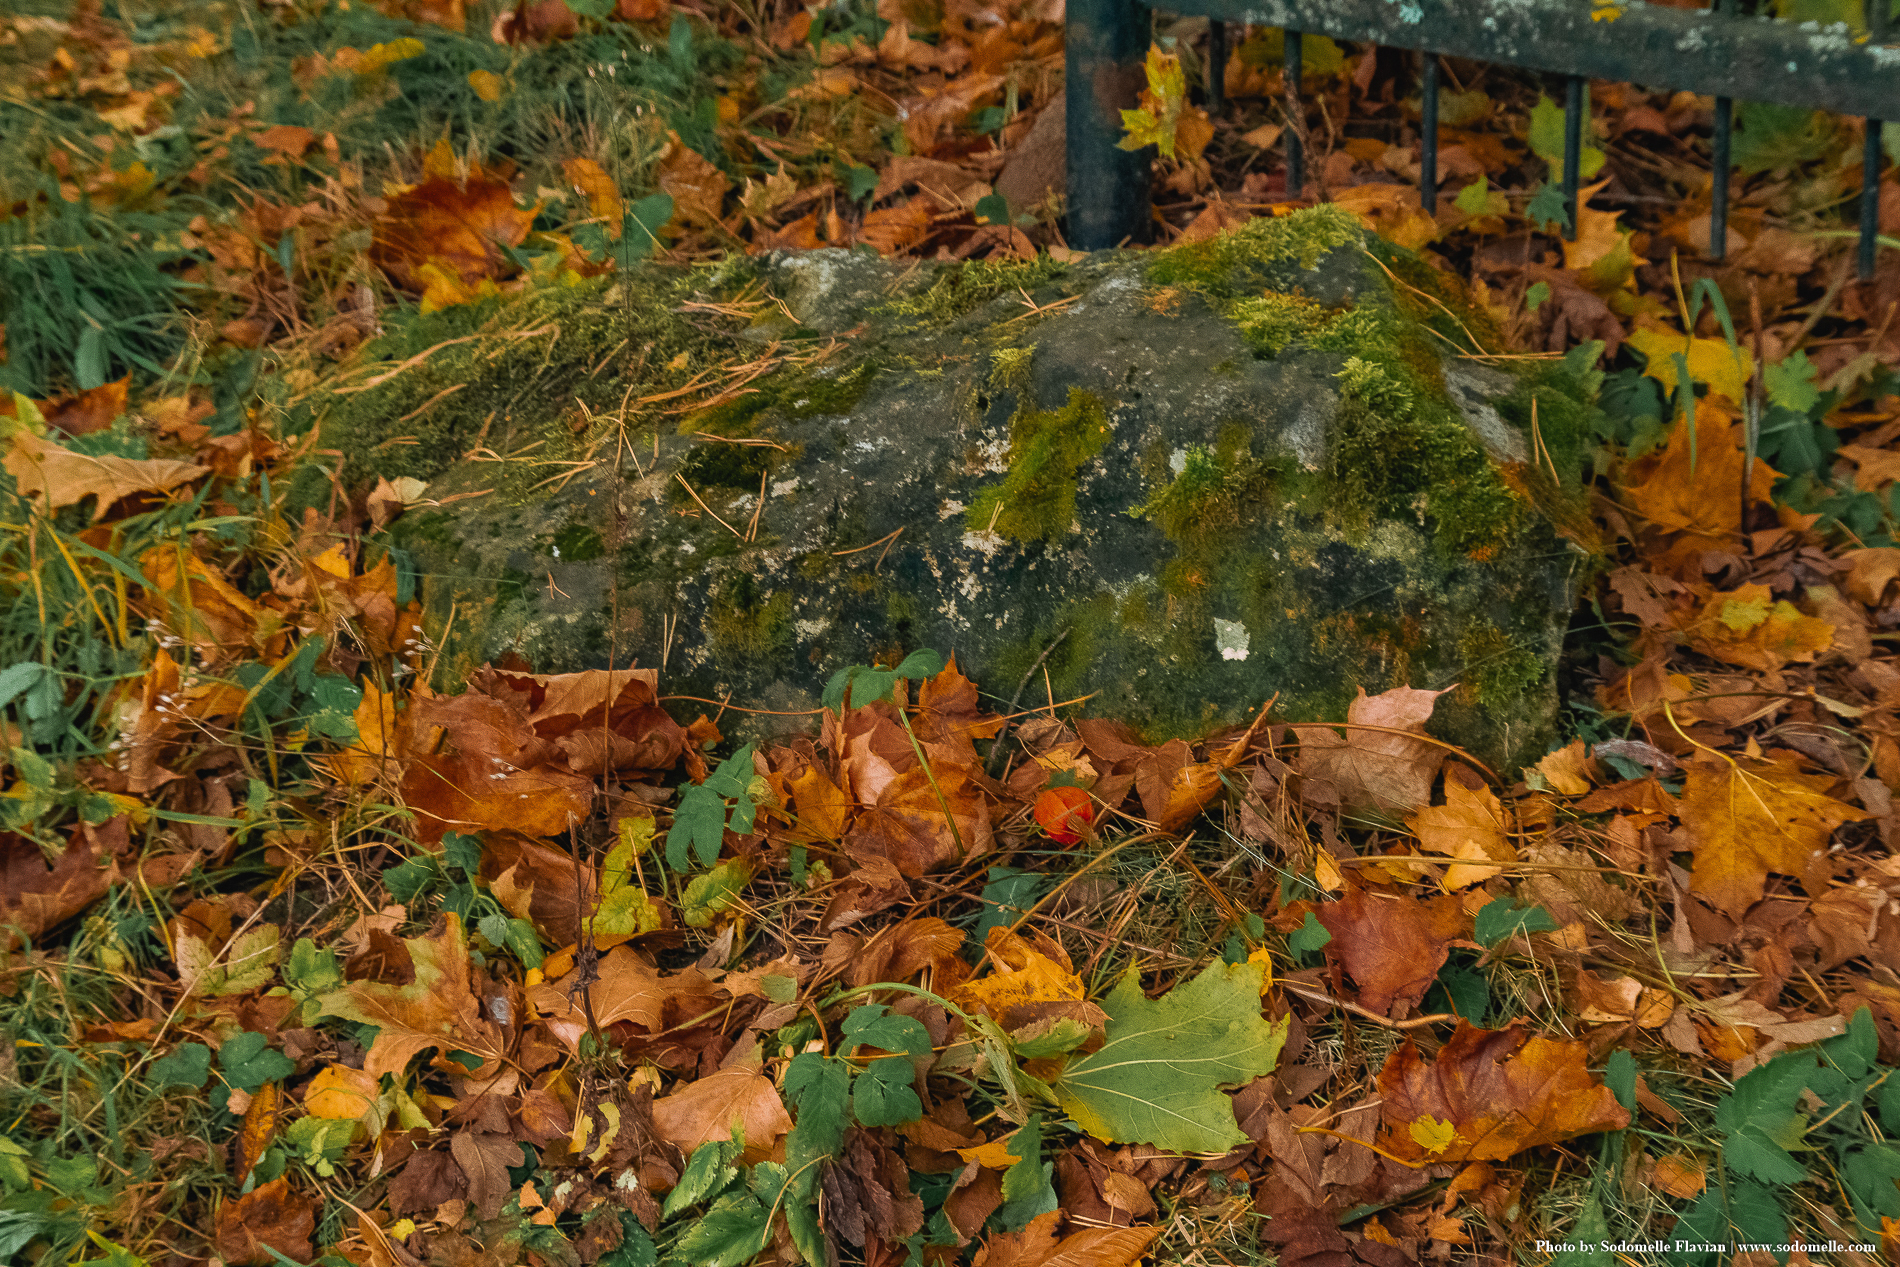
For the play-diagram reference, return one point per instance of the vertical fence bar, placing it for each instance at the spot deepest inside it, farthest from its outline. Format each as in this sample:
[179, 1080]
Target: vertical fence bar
[1719, 188]
[1573, 149]
[1295, 117]
[1216, 67]
[1877, 13]
[1108, 186]
[1718, 192]
[1870, 200]
[1428, 142]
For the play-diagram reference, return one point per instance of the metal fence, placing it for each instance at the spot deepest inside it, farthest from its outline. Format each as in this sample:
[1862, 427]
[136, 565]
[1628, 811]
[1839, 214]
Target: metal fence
[1717, 52]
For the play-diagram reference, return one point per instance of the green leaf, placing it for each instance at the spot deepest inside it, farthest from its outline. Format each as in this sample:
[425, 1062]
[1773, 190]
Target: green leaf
[699, 824]
[1309, 937]
[89, 361]
[640, 229]
[1745, 1212]
[1537, 295]
[882, 1095]
[1479, 199]
[1547, 138]
[708, 1171]
[1762, 1123]
[992, 209]
[310, 970]
[186, 1065]
[731, 1232]
[1791, 383]
[1027, 1191]
[870, 1026]
[1588, 1234]
[1619, 1075]
[1770, 137]
[1007, 895]
[820, 1088]
[249, 1063]
[1501, 918]
[1158, 1077]
[858, 181]
[714, 892]
[1547, 207]
[636, 1247]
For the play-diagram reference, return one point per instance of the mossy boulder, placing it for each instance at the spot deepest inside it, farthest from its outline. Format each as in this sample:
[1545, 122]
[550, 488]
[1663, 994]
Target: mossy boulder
[1286, 463]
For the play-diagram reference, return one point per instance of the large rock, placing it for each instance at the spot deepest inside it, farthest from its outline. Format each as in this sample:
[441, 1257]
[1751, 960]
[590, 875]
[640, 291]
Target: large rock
[1177, 483]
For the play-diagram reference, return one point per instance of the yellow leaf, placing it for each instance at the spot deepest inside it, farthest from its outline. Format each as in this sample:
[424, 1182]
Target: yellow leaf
[340, 1092]
[1710, 361]
[994, 1155]
[1470, 826]
[487, 85]
[603, 196]
[1433, 1135]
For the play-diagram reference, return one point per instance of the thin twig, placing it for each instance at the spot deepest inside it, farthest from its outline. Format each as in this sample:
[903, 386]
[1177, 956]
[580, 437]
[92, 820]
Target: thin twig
[996, 748]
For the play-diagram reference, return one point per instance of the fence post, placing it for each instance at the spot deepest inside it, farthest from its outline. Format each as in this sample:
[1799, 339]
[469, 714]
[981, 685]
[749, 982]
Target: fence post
[1108, 186]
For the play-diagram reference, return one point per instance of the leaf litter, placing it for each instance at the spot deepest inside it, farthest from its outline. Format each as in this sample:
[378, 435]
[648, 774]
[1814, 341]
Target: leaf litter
[540, 968]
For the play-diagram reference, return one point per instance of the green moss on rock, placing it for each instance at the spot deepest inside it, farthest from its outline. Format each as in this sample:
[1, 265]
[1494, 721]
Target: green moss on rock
[1036, 500]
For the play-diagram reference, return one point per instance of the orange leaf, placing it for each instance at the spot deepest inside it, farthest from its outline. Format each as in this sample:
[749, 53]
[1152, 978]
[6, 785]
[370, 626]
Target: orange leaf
[88, 411]
[1703, 494]
[708, 1108]
[1026, 983]
[460, 225]
[894, 229]
[1502, 1091]
[603, 196]
[1747, 626]
[269, 1217]
[1037, 1246]
[698, 187]
[1750, 817]
[1470, 826]
[260, 1126]
[42, 469]
[437, 1011]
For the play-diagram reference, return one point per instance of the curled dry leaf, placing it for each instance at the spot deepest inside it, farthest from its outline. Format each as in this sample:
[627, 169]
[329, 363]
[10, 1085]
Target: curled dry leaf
[1491, 1094]
[1390, 944]
[57, 477]
[1376, 764]
[1037, 1245]
[268, 1217]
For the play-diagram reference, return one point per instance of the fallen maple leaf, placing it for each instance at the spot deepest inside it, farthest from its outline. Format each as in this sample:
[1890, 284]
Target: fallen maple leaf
[1377, 764]
[1710, 361]
[1749, 627]
[1391, 945]
[1749, 817]
[437, 1011]
[698, 187]
[268, 1217]
[36, 897]
[1695, 483]
[1037, 1246]
[60, 477]
[473, 762]
[1471, 826]
[894, 229]
[1026, 984]
[1500, 1091]
[458, 225]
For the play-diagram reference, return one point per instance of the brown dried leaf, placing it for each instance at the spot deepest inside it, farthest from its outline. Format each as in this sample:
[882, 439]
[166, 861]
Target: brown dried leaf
[1749, 817]
[1501, 1091]
[1376, 764]
[1390, 944]
[60, 477]
[268, 1217]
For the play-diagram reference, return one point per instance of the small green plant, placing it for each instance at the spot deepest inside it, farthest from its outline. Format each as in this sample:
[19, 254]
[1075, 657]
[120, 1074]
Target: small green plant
[455, 875]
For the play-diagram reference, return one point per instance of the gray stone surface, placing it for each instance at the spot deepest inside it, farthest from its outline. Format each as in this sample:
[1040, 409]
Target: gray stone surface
[1109, 458]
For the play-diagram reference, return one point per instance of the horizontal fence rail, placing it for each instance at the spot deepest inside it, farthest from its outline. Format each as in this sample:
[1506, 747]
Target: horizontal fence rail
[1714, 52]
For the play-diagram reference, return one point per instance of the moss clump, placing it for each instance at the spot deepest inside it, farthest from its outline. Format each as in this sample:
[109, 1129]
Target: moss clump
[577, 543]
[1009, 368]
[1210, 489]
[1401, 448]
[746, 625]
[1497, 669]
[817, 396]
[966, 288]
[1211, 267]
[1036, 500]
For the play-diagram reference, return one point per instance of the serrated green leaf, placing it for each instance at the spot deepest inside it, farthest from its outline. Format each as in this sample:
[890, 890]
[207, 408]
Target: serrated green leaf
[874, 1025]
[1762, 1123]
[731, 1232]
[249, 1063]
[1792, 384]
[820, 1088]
[1619, 1075]
[882, 1094]
[309, 970]
[1309, 937]
[1547, 138]
[186, 1065]
[1501, 918]
[636, 1248]
[715, 891]
[699, 826]
[1158, 1077]
[1586, 1236]
[708, 1171]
